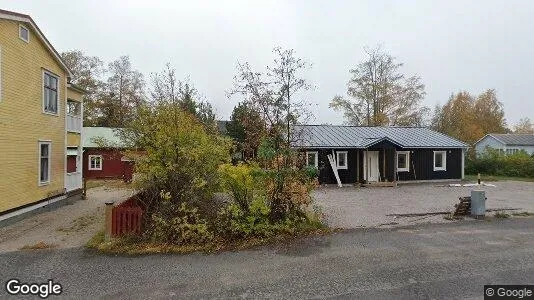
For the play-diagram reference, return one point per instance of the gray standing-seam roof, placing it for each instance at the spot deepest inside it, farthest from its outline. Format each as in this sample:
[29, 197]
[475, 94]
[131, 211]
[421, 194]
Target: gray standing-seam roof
[514, 139]
[332, 136]
[91, 135]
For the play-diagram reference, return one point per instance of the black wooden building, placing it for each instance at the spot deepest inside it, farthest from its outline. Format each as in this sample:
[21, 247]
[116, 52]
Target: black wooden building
[380, 154]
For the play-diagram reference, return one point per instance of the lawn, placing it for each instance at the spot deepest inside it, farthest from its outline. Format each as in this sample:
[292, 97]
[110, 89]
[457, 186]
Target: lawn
[496, 178]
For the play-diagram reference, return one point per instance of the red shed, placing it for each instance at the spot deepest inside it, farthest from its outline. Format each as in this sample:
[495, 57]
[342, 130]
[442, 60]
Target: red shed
[103, 155]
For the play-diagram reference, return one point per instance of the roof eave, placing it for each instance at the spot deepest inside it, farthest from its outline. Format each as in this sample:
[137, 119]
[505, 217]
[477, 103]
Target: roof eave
[14, 16]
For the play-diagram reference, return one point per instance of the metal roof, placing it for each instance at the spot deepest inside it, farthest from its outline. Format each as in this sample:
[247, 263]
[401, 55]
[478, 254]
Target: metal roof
[108, 135]
[514, 139]
[332, 136]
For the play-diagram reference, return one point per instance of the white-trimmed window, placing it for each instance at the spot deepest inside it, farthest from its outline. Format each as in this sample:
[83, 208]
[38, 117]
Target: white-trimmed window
[341, 159]
[50, 93]
[95, 162]
[403, 161]
[24, 33]
[45, 149]
[440, 160]
[312, 159]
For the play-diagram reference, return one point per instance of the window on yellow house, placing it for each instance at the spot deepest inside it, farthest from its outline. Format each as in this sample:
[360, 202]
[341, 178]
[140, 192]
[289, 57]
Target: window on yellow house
[44, 162]
[50, 91]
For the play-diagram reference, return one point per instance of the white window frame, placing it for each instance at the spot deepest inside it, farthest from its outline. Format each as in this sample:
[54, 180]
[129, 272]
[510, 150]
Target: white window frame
[407, 169]
[316, 160]
[49, 143]
[96, 168]
[58, 106]
[346, 166]
[20, 31]
[444, 155]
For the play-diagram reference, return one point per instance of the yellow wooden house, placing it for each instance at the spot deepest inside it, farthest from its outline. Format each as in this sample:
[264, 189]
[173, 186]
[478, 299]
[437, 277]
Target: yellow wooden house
[40, 120]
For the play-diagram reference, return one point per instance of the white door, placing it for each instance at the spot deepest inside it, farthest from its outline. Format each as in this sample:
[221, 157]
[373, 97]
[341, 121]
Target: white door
[371, 166]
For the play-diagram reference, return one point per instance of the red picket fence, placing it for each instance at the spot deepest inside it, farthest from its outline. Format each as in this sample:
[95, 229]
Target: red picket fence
[126, 218]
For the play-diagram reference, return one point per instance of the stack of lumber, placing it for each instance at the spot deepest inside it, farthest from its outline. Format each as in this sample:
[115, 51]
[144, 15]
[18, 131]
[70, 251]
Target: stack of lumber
[463, 208]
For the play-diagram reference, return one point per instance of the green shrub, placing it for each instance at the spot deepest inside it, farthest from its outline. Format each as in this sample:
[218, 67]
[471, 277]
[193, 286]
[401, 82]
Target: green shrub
[311, 172]
[235, 223]
[241, 181]
[177, 223]
[492, 162]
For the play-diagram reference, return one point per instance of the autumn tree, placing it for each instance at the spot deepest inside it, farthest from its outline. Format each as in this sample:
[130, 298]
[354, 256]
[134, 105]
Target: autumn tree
[87, 73]
[380, 95]
[247, 129]
[524, 126]
[489, 113]
[469, 118]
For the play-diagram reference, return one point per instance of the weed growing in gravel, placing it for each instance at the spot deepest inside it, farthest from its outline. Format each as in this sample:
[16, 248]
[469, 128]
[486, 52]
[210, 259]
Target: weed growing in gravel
[501, 215]
[38, 246]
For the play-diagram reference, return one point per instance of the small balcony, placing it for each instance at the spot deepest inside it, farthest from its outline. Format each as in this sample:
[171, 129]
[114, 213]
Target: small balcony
[74, 123]
[74, 116]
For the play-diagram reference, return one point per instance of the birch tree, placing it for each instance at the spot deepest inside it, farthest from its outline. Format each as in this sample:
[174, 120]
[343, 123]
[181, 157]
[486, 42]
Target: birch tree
[380, 95]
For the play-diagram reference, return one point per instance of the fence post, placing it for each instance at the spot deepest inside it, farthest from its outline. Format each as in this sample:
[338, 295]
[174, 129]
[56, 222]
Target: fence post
[109, 220]
[84, 193]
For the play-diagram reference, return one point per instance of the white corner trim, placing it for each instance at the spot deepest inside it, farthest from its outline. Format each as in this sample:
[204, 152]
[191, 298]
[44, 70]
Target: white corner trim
[463, 163]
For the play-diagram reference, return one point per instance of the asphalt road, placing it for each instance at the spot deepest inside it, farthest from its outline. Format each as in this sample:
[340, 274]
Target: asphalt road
[428, 261]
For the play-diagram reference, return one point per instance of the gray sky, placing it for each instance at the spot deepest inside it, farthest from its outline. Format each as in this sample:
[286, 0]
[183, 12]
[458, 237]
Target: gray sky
[452, 45]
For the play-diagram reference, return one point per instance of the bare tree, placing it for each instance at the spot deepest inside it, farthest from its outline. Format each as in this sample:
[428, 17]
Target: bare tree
[274, 95]
[87, 73]
[166, 88]
[123, 94]
[524, 126]
[382, 94]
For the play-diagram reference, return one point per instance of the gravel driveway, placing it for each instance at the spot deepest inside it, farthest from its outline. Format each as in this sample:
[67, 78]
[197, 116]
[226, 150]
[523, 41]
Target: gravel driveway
[351, 207]
[68, 226]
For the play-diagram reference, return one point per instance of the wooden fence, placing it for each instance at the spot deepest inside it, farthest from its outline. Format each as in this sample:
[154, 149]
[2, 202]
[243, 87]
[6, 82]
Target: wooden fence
[126, 218]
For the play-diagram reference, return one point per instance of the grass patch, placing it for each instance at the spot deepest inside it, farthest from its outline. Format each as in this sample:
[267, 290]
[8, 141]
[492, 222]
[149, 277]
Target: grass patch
[501, 215]
[523, 214]
[131, 245]
[109, 183]
[96, 240]
[38, 246]
[487, 178]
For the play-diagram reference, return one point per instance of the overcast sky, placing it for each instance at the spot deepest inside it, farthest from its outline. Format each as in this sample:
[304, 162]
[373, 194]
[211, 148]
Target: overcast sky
[452, 45]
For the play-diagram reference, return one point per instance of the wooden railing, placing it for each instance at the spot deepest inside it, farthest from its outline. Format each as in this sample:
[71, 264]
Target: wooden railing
[126, 220]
